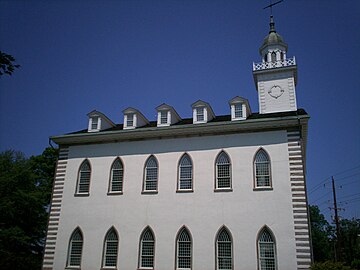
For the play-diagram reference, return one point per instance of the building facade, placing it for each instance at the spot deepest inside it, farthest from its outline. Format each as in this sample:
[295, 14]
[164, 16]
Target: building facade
[207, 192]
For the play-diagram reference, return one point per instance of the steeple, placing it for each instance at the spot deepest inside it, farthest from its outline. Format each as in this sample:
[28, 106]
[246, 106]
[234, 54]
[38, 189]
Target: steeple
[276, 75]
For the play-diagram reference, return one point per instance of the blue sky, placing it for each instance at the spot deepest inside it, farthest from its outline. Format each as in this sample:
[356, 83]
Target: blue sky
[77, 56]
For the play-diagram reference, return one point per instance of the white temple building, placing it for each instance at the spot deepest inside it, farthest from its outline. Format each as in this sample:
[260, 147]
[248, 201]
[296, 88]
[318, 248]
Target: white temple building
[201, 193]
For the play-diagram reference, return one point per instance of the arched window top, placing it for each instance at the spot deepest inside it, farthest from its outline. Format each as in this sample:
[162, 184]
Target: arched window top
[223, 158]
[266, 236]
[112, 235]
[85, 166]
[151, 162]
[184, 235]
[261, 156]
[75, 248]
[148, 235]
[77, 235]
[117, 164]
[185, 160]
[224, 235]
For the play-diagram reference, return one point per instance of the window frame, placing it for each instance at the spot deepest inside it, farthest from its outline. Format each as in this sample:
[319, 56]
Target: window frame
[164, 116]
[237, 105]
[110, 191]
[70, 249]
[197, 109]
[183, 228]
[178, 189]
[262, 230]
[145, 173]
[217, 248]
[103, 262]
[256, 187]
[130, 119]
[216, 188]
[77, 192]
[140, 267]
[97, 118]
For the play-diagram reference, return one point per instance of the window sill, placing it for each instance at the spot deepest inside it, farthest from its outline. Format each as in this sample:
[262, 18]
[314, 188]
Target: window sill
[73, 267]
[149, 192]
[184, 190]
[82, 195]
[262, 188]
[114, 193]
[223, 190]
[108, 268]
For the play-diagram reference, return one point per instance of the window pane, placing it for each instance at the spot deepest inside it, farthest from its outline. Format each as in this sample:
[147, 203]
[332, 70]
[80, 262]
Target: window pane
[185, 173]
[200, 114]
[223, 177]
[84, 178]
[163, 117]
[117, 176]
[224, 252]
[147, 250]
[76, 242]
[238, 110]
[184, 250]
[151, 176]
[130, 120]
[94, 123]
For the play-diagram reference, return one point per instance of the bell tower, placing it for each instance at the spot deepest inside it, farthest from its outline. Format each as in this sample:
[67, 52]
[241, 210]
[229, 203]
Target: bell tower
[276, 75]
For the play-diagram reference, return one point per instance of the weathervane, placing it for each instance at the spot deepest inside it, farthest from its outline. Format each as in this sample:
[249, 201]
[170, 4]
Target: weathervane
[271, 5]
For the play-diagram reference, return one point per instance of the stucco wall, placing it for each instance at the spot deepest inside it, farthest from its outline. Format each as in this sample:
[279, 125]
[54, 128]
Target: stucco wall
[243, 211]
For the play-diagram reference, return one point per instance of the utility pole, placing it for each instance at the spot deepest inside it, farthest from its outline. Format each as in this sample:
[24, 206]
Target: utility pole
[338, 236]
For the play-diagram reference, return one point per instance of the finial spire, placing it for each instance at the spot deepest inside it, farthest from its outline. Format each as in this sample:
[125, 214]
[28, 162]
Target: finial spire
[272, 25]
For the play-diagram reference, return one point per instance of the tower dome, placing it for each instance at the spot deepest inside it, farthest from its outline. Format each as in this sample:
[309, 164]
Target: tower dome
[273, 42]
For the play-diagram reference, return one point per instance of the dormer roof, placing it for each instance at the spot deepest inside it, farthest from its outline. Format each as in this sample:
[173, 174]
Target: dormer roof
[103, 121]
[239, 99]
[166, 107]
[131, 110]
[201, 103]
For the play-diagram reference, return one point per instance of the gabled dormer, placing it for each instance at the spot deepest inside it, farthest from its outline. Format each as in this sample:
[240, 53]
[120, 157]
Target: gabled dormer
[240, 108]
[98, 121]
[134, 118]
[202, 112]
[166, 115]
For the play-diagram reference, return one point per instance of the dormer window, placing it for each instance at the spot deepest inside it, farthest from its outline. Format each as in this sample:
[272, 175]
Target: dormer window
[98, 121]
[163, 117]
[202, 112]
[166, 115]
[130, 120]
[240, 108]
[94, 122]
[134, 119]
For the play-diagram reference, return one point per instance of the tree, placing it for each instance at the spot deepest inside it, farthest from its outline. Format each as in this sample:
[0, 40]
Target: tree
[350, 233]
[24, 198]
[7, 65]
[321, 235]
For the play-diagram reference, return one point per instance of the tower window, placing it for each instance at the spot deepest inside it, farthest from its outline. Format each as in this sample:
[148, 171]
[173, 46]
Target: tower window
[273, 57]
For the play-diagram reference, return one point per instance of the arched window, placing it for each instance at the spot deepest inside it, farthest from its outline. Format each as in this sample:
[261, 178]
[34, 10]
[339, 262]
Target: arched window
[224, 250]
[151, 174]
[75, 249]
[185, 173]
[84, 178]
[183, 250]
[111, 249]
[282, 56]
[262, 169]
[116, 176]
[223, 171]
[266, 250]
[273, 56]
[147, 249]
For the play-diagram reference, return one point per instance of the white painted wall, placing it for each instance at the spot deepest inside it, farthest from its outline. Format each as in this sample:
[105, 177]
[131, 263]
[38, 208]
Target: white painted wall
[204, 211]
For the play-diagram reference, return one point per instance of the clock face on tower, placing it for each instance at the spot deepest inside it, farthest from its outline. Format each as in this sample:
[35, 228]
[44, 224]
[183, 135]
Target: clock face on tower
[276, 91]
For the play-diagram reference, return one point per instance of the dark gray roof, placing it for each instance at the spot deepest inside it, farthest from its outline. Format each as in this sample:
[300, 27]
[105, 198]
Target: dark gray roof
[220, 118]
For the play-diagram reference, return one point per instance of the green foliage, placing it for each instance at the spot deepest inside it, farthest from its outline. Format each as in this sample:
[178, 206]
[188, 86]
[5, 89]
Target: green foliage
[329, 266]
[321, 234]
[350, 235]
[25, 190]
[6, 64]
